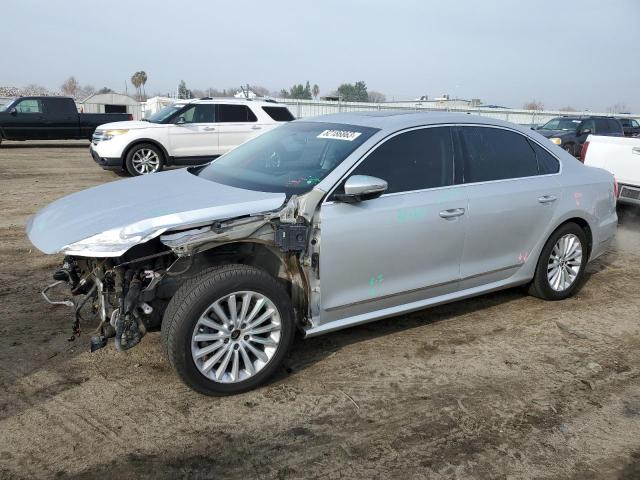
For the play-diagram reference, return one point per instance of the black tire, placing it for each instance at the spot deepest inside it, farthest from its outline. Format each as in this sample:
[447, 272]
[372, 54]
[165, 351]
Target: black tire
[128, 162]
[569, 148]
[192, 299]
[540, 286]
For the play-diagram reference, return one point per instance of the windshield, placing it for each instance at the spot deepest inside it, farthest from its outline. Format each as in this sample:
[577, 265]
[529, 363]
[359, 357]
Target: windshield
[164, 114]
[290, 159]
[562, 124]
[8, 105]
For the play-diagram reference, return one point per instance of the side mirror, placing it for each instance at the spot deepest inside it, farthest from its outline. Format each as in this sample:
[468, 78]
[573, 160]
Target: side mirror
[13, 111]
[181, 120]
[586, 131]
[362, 187]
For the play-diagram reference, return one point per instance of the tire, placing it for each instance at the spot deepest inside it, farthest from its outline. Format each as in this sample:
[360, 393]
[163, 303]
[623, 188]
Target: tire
[542, 286]
[569, 148]
[143, 159]
[193, 302]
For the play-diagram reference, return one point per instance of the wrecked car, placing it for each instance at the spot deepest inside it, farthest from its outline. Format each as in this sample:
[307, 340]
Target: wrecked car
[318, 225]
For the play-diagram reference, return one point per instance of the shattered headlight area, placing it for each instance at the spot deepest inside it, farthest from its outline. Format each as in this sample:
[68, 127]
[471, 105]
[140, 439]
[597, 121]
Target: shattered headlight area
[125, 294]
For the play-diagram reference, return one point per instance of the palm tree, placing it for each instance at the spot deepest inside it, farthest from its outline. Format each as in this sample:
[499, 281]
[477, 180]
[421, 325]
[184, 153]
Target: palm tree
[143, 80]
[135, 80]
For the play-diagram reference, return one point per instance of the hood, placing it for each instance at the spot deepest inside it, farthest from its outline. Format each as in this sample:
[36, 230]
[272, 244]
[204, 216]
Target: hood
[132, 211]
[554, 133]
[129, 125]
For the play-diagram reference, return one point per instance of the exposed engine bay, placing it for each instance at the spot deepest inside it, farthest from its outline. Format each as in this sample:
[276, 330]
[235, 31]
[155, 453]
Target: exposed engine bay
[129, 294]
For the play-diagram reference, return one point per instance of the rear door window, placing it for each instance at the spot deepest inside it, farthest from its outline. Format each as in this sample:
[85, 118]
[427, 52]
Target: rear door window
[614, 126]
[495, 154]
[229, 113]
[414, 160]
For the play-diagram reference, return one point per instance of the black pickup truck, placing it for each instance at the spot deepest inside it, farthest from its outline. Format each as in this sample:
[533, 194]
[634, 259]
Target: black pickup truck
[50, 118]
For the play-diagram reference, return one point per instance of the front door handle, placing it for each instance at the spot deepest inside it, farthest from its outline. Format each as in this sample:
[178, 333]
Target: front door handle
[547, 199]
[209, 129]
[636, 150]
[255, 127]
[452, 213]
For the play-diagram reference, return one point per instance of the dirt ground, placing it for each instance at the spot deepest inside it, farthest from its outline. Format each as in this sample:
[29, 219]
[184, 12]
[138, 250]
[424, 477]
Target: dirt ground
[503, 386]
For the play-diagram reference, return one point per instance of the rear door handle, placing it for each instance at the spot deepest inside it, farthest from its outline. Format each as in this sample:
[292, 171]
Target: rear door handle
[255, 127]
[547, 199]
[209, 129]
[452, 213]
[636, 150]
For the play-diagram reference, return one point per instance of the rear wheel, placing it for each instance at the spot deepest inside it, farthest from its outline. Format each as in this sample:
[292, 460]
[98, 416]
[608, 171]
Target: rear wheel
[561, 264]
[143, 159]
[228, 329]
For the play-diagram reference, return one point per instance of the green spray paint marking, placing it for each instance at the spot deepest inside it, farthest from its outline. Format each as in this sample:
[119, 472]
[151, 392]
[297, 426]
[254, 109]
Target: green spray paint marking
[411, 215]
[374, 281]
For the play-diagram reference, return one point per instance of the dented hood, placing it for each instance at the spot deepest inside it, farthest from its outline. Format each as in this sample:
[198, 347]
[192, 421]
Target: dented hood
[109, 219]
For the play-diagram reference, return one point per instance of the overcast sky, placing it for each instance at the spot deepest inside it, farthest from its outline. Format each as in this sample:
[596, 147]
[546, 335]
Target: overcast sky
[582, 53]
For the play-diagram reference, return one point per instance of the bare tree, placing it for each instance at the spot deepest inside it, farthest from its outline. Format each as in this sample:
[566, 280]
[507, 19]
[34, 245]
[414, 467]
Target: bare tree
[70, 87]
[533, 105]
[376, 97]
[259, 91]
[315, 91]
[618, 108]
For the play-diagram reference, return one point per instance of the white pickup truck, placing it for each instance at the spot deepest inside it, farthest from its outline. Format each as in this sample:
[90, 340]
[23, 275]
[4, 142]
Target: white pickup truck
[621, 157]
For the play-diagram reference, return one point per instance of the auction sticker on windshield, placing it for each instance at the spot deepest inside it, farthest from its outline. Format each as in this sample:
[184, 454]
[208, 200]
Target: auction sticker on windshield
[340, 135]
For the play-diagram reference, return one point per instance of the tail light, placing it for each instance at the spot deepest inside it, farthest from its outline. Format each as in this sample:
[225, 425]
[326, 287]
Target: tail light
[130, 117]
[583, 151]
[616, 190]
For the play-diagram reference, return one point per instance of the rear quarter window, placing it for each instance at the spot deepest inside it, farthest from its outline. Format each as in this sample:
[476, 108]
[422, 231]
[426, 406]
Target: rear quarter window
[279, 114]
[547, 163]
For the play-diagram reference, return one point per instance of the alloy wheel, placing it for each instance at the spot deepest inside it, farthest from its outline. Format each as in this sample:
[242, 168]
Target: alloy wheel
[235, 337]
[565, 262]
[145, 161]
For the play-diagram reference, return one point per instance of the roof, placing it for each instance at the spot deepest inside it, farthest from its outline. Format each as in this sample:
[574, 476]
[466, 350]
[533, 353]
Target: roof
[240, 101]
[393, 120]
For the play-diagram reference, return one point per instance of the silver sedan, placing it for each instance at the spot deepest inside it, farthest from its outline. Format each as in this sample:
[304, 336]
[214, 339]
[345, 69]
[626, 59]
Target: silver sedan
[322, 224]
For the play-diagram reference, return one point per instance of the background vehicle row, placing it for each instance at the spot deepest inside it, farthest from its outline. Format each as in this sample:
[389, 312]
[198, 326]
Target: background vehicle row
[50, 118]
[185, 133]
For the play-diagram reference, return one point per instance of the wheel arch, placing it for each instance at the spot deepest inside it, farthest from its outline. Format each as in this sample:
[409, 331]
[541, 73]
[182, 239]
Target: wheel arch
[283, 267]
[139, 141]
[582, 223]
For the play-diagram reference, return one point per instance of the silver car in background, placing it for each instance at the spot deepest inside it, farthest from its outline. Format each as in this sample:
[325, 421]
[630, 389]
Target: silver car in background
[322, 224]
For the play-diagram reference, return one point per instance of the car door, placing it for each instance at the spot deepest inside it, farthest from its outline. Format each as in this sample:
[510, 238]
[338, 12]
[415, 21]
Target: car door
[236, 124]
[62, 118]
[194, 136]
[27, 121]
[512, 194]
[402, 247]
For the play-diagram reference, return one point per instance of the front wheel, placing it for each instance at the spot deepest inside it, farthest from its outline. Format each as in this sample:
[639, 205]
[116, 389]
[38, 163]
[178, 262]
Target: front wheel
[228, 329]
[569, 148]
[143, 159]
[561, 264]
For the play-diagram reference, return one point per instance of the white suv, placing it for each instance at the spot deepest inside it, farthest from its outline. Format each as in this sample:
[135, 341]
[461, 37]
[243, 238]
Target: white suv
[190, 132]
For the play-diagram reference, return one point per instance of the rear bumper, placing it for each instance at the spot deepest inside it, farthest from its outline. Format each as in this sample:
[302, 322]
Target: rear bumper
[105, 162]
[629, 194]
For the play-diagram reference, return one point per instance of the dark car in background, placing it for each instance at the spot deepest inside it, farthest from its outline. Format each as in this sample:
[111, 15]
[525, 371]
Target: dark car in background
[571, 132]
[630, 126]
[50, 118]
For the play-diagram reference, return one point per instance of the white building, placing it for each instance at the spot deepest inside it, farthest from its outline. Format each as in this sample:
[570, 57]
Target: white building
[111, 103]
